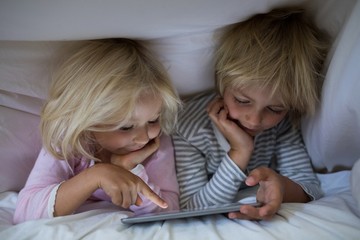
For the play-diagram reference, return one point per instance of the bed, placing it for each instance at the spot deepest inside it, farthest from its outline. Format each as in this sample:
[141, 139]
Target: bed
[33, 33]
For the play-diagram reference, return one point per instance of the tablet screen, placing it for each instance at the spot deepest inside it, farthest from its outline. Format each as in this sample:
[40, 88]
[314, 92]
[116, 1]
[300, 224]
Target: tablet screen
[245, 198]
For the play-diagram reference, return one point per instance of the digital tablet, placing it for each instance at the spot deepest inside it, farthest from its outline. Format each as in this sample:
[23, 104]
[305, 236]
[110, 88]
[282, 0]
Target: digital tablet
[185, 213]
[245, 199]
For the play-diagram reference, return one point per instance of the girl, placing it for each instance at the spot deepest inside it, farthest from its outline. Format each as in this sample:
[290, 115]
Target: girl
[103, 129]
[267, 77]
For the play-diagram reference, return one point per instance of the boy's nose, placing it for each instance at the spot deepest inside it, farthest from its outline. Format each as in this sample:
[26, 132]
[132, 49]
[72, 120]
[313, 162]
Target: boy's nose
[253, 119]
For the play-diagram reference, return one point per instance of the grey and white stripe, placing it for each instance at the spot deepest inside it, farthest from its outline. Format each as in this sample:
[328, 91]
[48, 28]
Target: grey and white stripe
[208, 176]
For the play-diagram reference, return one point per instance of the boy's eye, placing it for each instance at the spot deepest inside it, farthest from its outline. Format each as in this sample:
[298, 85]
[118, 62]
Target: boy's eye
[276, 110]
[242, 101]
[126, 128]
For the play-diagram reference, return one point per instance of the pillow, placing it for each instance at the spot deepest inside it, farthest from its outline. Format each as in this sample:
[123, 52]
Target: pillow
[332, 136]
[127, 18]
[355, 180]
[20, 144]
[188, 59]
[25, 72]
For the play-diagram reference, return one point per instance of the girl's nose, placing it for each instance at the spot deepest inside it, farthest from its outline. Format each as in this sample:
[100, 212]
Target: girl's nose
[142, 135]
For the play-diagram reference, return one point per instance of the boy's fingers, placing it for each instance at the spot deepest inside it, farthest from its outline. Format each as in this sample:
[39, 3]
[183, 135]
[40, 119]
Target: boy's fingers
[211, 105]
[255, 176]
[214, 106]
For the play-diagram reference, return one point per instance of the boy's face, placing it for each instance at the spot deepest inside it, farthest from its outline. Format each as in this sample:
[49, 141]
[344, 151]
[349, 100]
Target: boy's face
[254, 109]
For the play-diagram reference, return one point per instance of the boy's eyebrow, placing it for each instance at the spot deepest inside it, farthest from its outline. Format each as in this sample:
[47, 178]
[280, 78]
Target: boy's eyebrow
[273, 105]
[243, 95]
[278, 106]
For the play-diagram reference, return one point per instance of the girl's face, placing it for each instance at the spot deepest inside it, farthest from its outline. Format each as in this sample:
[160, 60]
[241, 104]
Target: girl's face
[254, 109]
[143, 126]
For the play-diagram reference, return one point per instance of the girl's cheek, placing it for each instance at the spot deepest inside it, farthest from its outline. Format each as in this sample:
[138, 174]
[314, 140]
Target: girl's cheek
[154, 131]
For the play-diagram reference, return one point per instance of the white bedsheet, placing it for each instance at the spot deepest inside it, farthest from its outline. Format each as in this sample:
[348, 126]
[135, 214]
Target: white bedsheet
[332, 217]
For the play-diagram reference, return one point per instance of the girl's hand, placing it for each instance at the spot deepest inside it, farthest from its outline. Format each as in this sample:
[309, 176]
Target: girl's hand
[123, 187]
[130, 160]
[270, 194]
[241, 143]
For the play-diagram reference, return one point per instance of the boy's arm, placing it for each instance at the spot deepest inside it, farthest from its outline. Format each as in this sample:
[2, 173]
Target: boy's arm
[294, 163]
[196, 190]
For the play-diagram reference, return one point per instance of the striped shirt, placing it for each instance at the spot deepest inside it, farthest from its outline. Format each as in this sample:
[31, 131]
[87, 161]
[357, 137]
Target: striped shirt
[207, 175]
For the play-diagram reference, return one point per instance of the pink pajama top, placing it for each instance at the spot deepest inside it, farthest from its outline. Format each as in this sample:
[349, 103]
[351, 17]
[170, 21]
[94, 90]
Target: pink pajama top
[37, 199]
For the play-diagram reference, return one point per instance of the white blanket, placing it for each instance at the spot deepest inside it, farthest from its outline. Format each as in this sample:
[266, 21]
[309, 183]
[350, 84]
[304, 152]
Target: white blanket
[332, 217]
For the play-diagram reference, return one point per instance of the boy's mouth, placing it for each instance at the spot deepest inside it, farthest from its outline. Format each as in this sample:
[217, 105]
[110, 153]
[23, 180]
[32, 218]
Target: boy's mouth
[251, 132]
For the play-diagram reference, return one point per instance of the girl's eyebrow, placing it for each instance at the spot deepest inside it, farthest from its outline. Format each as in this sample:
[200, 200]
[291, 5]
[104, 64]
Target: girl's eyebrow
[157, 115]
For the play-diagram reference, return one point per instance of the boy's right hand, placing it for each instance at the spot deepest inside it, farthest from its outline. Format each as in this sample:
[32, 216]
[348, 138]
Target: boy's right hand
[241, 143]
[123, 187]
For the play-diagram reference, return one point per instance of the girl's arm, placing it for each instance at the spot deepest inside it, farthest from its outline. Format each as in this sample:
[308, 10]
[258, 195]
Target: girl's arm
[119, 184]
[158, 171]
[37, 198]
[42, 197]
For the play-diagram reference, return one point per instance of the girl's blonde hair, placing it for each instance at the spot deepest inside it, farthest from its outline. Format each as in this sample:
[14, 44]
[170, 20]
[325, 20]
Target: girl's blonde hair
[282, 50]
[96, 90]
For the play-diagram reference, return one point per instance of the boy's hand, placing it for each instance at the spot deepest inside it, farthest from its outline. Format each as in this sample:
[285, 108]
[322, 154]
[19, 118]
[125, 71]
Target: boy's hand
[241, 143]
[270, 194]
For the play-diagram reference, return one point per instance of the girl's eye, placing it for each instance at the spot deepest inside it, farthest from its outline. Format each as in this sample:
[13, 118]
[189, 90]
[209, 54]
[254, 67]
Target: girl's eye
[154, 121]
[126, 128]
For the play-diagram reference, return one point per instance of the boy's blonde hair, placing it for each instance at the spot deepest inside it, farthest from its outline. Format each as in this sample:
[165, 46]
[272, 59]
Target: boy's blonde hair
[96, 90]
[282, 50]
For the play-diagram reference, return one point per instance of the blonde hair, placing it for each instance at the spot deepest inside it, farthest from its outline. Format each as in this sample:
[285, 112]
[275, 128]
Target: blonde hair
[282, 50]
[96, 90]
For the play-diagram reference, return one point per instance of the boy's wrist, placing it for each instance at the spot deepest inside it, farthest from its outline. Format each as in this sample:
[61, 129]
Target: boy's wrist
[241, 159]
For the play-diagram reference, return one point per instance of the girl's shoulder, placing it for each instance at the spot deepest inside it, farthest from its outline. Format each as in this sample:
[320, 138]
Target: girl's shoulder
[46, 162]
